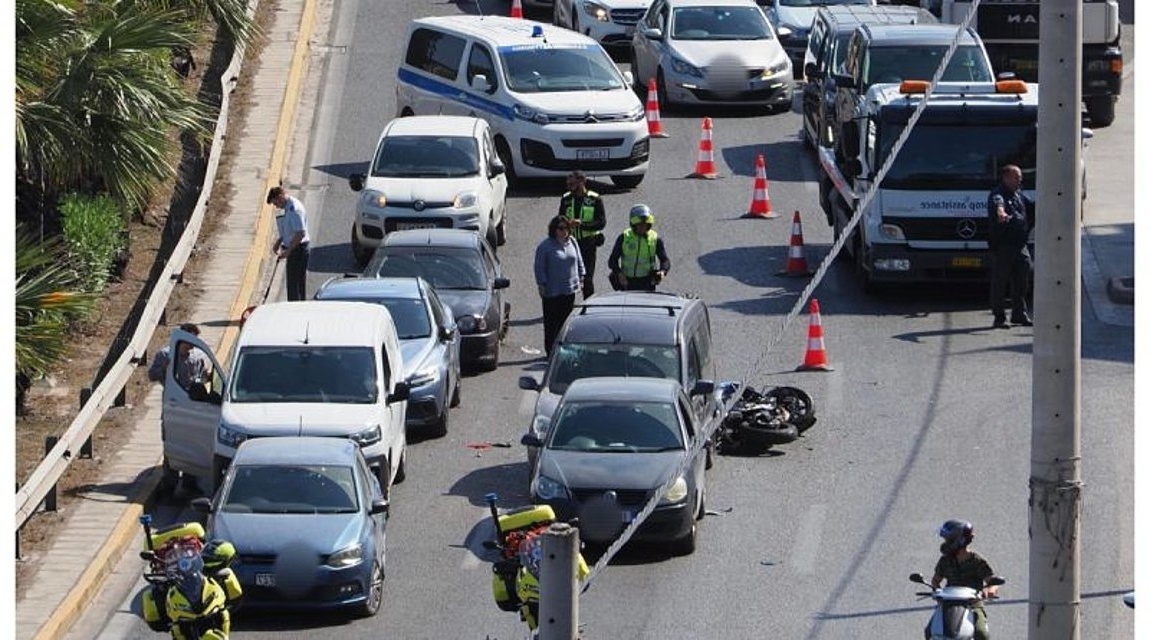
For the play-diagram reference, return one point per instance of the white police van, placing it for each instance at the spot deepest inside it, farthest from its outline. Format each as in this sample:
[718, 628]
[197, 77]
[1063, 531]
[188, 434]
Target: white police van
[554, 98]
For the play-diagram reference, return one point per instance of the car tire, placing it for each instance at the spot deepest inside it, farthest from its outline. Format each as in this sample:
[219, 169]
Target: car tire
[501, 231]
[1101, 110]
[406, 113]
[401, 472]
[360, 253]
[629, 181]
[438, 429]
[503, 150]
[455, 393]
[661, 90]
[371, 605]
[169, 478]
[574, 19]
[492, 238]
[384, 477]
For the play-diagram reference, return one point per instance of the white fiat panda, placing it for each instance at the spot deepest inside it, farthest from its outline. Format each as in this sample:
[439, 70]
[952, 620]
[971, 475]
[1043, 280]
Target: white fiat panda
[554, 98]
[313, 368]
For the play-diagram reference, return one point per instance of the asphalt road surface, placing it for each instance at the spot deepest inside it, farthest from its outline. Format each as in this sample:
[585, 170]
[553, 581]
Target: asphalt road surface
[926, 416]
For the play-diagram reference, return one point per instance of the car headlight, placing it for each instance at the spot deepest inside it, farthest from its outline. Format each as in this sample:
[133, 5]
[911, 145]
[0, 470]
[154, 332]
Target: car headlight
[531, 115]
[677, 493]
[368, 437]
[686, 68]
[791, 32]
[466, 200]
[540, 425]
[423, 376]
[892, 232]
[776, 69]
[784, 31]
[548, 489]
[374, 199]
[597, 11]
[230, 437]
[637, 114]
[471, 324]
[346, 557]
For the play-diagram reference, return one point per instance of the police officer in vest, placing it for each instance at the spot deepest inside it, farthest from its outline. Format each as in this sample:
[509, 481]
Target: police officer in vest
[638, 260]
[587, 219]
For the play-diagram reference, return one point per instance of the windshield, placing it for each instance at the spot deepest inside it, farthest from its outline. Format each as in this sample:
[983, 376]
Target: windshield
[426, 156]
[408, 314]
[895, 64]
[305, 374]
[275, 488]
[975, 155]
[573, 362]
[719, 23]
[625, 428]
[544, 69]
[443, 267]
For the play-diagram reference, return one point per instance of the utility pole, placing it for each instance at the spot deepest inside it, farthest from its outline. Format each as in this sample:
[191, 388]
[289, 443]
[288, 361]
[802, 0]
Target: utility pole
[559, 583]
[1055, 474]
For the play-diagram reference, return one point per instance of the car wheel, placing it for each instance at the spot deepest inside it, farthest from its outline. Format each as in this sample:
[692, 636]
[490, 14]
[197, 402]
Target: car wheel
[1101, 110]
[361, 253]
[383, 474]
[628, 181]
[370, 607]
[661, 90]
[169, 478]
[501, 231]
[574, 19]
[439, 427]
[491, 237]
[710, 451]
[504, 152]
[406, 113]
[455, 394]
[401, 472]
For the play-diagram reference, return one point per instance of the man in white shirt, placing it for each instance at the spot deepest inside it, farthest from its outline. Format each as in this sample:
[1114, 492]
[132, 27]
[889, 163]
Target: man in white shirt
[293, 241]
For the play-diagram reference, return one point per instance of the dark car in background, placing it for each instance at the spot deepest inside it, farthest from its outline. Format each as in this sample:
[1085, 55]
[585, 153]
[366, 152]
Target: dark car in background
[428, 340]
[465, 272]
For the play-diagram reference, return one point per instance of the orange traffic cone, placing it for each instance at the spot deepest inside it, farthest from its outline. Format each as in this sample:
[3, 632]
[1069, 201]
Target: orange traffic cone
[705, 166]
[796, 263]
[654, 124]
[516, 9]
[761, 198]
[816, 358]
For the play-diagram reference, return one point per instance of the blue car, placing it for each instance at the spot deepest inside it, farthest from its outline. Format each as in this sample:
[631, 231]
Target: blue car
[308, 521]
[428, 339]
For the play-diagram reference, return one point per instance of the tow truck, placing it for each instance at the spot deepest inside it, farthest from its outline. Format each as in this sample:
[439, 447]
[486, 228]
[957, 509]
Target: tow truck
[927, 219]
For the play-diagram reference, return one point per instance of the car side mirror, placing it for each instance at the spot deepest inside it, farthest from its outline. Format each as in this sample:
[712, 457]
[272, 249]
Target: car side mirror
[812, 71]
[653, 34]
[629, 78]
[845, 82]
[703, 388]
[379, 505]
[501, 283]
[995, 581]
[147, 555]
[202, 505]
[917, 577]
[479, 82]
[402, 392]
[531, 440]
[446, 334]
[529, 383]
[355, 181]
[496, 168]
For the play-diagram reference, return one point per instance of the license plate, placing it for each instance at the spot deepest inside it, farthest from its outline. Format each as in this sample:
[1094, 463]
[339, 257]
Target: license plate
[966, 263]
[1026, 65]
[265, 580]
[592, 154]
[406, 226]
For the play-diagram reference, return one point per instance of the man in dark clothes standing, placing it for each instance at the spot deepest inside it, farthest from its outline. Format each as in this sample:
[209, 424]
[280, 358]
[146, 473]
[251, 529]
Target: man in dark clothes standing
[587, 218]
[1009, 223]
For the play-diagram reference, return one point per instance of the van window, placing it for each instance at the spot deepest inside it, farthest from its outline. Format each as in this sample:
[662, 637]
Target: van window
[435, 52]
[533, 69]
[480, 62]
[305, 374]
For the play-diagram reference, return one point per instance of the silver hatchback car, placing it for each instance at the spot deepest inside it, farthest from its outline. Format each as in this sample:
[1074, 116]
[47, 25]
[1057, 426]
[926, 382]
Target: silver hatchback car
[711, 52]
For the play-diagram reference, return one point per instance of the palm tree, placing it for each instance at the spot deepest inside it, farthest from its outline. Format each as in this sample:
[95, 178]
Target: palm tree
[95, 96]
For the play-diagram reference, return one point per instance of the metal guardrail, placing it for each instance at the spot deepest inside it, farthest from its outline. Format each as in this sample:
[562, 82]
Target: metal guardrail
[55, 463]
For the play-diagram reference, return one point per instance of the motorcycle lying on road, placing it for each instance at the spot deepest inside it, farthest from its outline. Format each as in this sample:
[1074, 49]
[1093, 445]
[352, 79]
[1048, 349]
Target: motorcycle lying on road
[953, 618]
[759, 421]
[191, 588]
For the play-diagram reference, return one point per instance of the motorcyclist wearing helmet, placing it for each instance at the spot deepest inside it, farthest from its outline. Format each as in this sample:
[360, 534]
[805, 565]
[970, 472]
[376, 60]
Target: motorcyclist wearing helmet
[639, 259]
[959, 566]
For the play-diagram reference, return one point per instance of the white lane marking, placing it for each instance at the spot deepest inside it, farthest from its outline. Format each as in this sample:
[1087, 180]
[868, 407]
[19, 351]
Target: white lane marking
[810, 536]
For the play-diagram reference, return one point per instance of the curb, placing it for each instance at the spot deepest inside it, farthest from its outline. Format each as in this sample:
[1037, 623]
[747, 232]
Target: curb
[111, 551]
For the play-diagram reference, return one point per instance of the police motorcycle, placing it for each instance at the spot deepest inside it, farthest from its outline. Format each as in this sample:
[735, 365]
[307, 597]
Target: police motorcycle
[953, 618]
[761, 420]
[518, 538]
[191, 588]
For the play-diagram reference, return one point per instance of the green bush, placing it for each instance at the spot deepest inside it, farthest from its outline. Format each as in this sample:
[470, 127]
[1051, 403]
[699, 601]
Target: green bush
[95, 234]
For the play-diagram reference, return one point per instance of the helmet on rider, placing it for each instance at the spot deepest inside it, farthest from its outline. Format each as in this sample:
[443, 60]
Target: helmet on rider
[956, 534]
[641, 214]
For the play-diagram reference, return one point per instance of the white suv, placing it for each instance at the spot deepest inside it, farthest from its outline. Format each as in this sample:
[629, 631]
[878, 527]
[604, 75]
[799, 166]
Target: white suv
[611, 22]
[428, 172]
[554, 99]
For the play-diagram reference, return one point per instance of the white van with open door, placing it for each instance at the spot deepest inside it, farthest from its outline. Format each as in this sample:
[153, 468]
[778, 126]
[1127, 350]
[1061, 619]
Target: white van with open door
[312, 368]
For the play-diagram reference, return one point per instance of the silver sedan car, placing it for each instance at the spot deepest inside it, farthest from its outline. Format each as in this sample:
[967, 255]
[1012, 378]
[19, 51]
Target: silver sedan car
[711, 52]
[428, 339]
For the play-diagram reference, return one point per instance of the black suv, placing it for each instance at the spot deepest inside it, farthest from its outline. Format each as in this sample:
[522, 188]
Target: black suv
[630, 333]
[830, 33]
